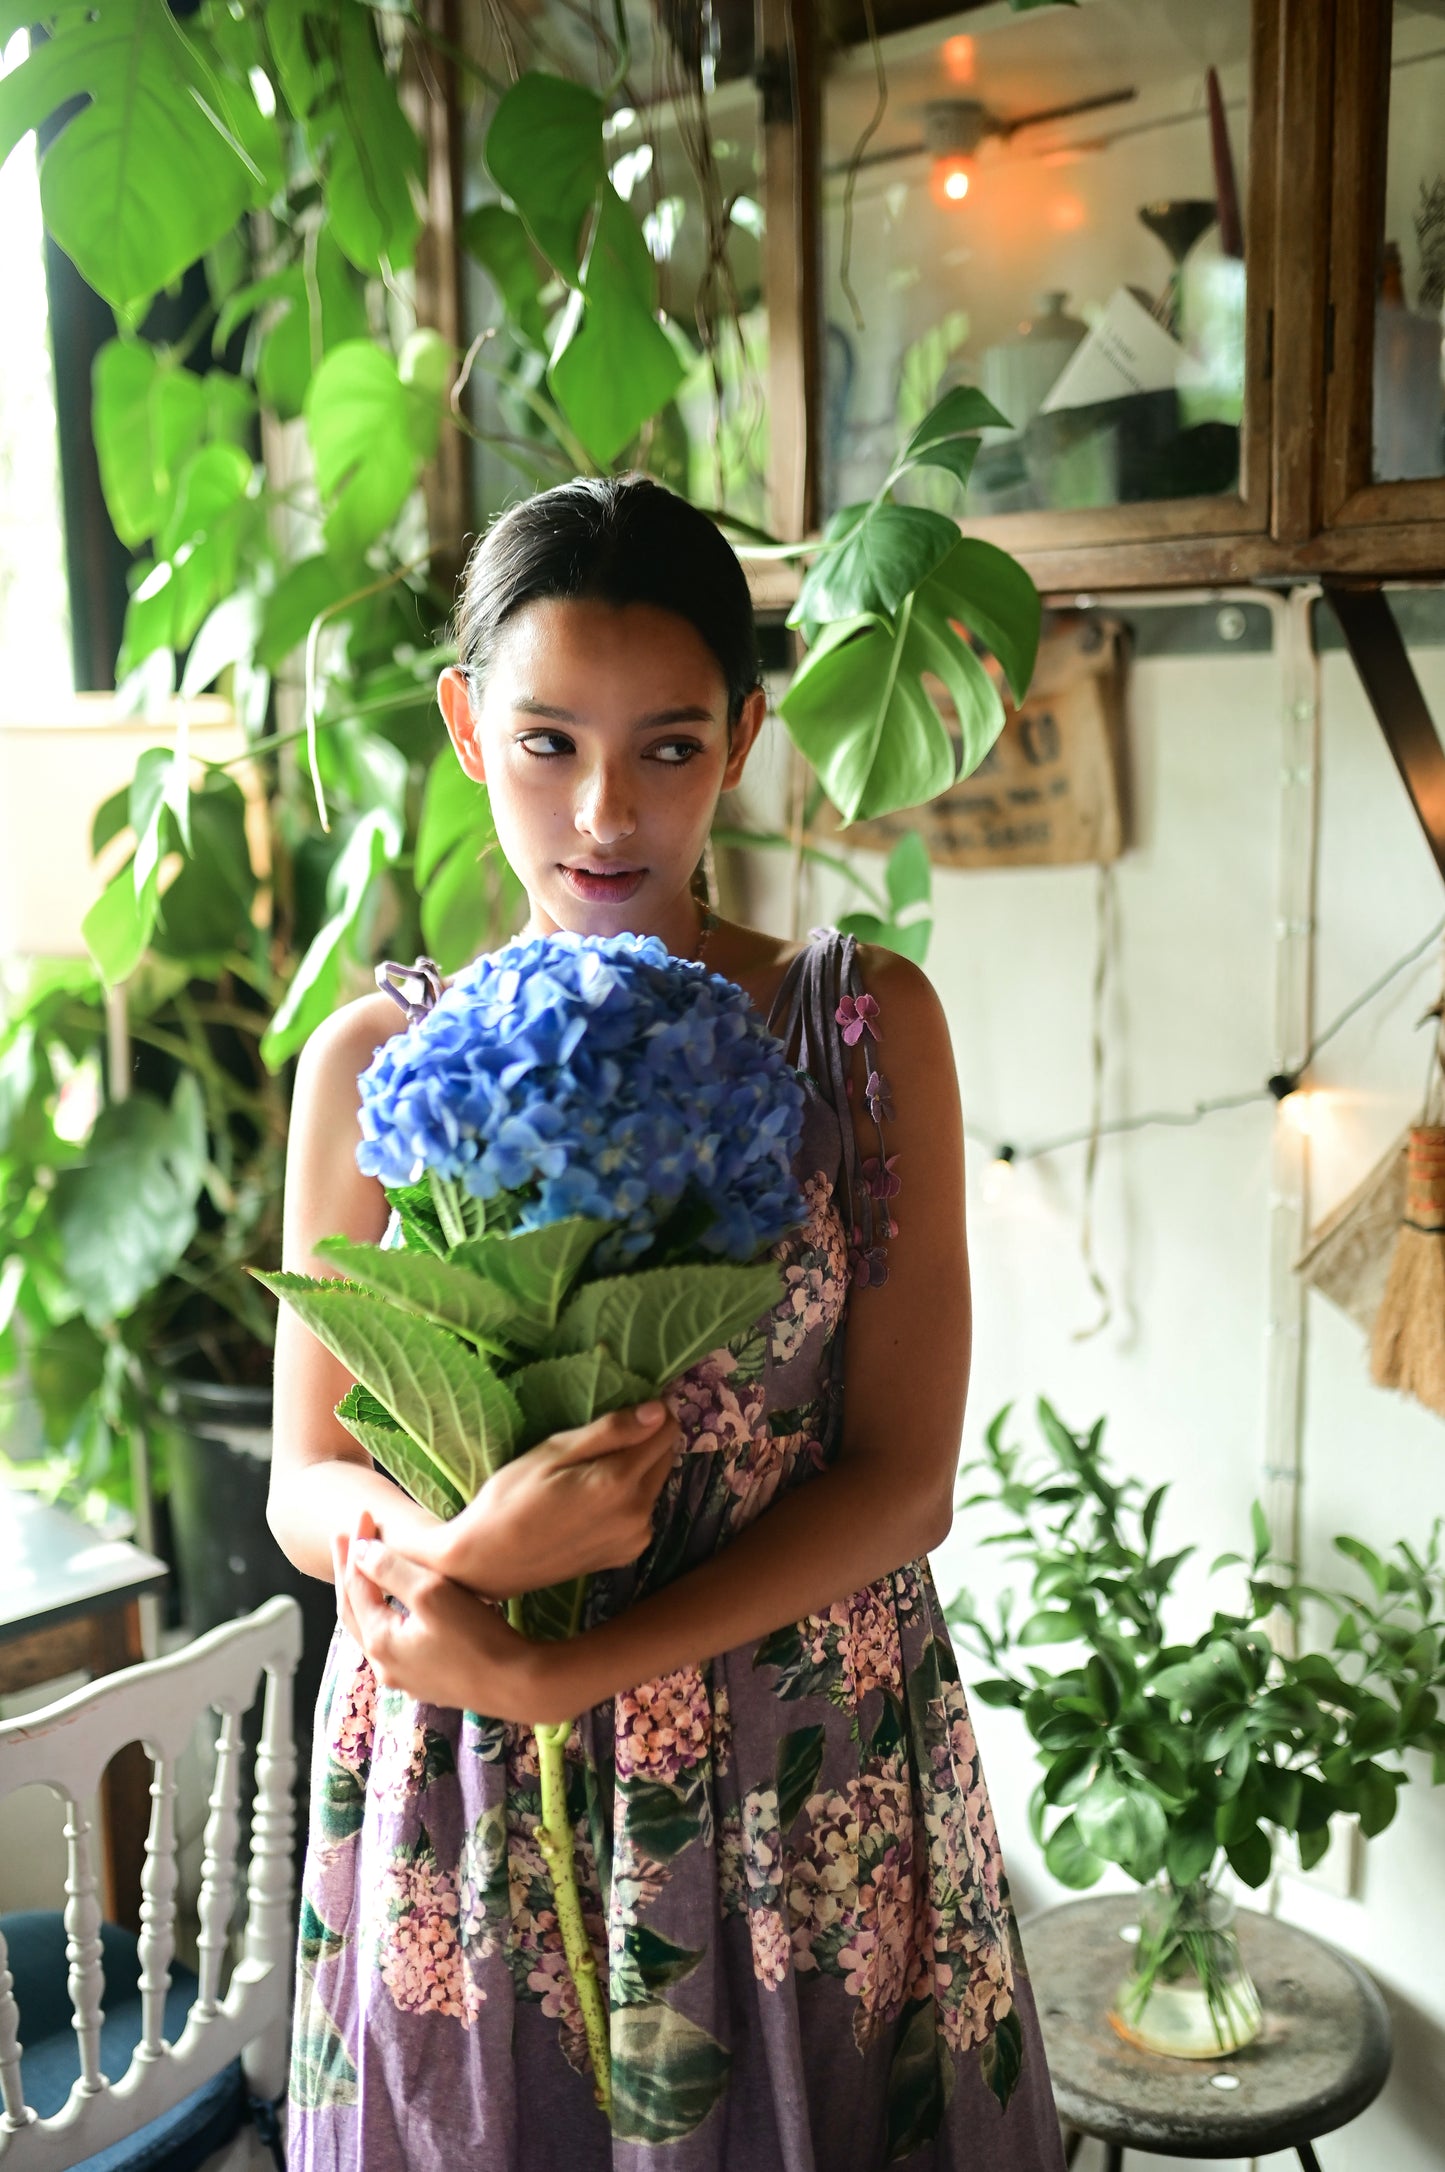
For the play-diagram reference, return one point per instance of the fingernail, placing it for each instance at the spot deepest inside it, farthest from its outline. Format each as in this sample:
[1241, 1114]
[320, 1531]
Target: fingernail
[649, 1413]
[362, 1550]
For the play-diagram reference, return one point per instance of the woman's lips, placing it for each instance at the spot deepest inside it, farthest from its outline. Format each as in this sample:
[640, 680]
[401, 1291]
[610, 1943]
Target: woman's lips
[600, 889]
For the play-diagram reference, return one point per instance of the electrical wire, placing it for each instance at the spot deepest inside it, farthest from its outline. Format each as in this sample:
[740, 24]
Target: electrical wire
[1274, 1090]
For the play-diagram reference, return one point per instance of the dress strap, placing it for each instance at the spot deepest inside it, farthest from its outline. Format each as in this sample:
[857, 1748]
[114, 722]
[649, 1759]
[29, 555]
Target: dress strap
[820, 1012]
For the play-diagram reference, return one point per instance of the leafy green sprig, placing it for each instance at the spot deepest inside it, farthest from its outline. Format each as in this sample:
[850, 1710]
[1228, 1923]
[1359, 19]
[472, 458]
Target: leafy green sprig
[1168, 1757]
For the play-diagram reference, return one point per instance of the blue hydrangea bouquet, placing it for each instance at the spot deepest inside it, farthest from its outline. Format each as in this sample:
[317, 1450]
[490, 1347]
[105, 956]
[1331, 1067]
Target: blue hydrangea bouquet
[588, 1147]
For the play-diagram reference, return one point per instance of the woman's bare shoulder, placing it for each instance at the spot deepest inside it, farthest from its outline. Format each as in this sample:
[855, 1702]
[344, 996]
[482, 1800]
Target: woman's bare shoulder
[343, 1045]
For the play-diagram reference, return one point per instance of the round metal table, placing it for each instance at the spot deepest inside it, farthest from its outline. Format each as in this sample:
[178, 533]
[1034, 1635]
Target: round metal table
[1320, 2058]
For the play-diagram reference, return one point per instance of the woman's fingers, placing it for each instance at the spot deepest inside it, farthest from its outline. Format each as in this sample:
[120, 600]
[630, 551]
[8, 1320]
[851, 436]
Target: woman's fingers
[606, 1436]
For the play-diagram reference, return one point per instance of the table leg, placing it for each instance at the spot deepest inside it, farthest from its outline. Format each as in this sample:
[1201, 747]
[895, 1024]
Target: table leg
[1113, 2157]
[1305, 2152]
[125, 1787]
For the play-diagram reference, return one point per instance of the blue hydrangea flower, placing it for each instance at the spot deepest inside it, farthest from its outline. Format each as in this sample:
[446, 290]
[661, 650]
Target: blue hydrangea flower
[594, 1075]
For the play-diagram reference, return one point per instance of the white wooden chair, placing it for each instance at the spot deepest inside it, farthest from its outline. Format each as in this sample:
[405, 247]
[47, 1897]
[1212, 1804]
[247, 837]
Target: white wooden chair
[67, 1747]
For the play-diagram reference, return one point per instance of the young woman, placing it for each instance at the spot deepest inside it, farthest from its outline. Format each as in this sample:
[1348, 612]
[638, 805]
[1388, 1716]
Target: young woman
[785, 1846]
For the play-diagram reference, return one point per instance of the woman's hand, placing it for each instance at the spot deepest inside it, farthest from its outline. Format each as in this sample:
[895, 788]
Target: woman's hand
[579, 1501]
[442, 1645]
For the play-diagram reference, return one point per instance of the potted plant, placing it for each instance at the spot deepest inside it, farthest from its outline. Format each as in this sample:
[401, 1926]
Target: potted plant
[1176, 1759]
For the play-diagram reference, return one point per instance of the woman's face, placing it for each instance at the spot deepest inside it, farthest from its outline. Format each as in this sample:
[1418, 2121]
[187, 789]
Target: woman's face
[601, 735]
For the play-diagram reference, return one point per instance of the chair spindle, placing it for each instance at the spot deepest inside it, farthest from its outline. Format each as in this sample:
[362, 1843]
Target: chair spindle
[12, 2094]
[86, 1979]
[218, 1866]
[158, 1909]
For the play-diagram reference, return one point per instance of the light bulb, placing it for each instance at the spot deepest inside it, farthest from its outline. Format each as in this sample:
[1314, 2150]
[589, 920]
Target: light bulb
[998, 1177]
[1299, 1107]
[950, 179]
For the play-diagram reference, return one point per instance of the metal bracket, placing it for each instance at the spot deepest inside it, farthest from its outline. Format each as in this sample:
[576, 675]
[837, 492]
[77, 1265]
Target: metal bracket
[1388, 677]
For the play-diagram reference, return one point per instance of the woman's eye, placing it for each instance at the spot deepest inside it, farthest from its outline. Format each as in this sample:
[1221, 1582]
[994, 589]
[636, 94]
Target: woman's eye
[558, 744]
[672, 753]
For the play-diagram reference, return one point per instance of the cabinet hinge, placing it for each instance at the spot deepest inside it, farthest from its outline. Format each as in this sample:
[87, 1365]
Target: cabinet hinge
[1268, 345]
[1329, 339]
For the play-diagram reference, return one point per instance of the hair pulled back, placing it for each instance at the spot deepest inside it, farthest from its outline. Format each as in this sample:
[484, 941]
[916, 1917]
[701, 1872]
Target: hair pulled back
[614, 539]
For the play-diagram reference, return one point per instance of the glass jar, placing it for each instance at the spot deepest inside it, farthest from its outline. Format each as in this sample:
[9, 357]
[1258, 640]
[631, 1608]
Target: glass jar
[1188, 1994]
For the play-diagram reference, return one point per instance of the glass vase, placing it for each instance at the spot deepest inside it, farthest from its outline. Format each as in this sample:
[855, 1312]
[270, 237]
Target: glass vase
[1188, 1994]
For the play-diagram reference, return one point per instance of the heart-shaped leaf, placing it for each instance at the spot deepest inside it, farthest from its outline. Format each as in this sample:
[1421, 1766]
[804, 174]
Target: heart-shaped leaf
[545, 152]
[879, 560]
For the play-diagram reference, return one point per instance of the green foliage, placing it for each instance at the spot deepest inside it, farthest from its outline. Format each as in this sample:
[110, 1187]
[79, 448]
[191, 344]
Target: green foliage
[1165, 1757]
[881, 606]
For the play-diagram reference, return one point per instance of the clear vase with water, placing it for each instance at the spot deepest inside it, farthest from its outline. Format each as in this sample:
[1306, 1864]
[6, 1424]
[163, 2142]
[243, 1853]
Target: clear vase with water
[1188, 1994]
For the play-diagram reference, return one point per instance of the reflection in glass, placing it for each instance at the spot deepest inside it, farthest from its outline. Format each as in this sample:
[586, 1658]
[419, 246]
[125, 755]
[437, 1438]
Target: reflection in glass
[1049, 209]
[1409, 360]
[684, 151]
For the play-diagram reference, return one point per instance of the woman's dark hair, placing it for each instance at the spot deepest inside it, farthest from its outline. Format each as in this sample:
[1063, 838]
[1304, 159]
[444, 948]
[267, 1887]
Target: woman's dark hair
[617, 539]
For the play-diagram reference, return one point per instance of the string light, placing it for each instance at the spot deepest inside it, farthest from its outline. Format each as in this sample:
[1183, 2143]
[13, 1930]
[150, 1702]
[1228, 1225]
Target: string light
[1298, 1102]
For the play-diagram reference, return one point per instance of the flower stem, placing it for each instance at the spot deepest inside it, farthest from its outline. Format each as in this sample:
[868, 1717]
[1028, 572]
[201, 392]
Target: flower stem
[554, 1837]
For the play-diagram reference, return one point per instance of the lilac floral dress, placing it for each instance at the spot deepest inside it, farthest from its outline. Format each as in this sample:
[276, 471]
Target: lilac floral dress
[786, 1853]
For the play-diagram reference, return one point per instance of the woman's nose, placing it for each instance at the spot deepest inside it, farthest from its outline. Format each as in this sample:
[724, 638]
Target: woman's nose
[605, 811]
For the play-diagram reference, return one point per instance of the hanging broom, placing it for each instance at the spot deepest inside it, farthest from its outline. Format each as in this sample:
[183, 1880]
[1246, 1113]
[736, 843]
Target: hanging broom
[1408, 1346]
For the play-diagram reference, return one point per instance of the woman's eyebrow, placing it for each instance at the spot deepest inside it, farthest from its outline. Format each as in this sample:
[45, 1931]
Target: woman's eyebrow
[685, 713]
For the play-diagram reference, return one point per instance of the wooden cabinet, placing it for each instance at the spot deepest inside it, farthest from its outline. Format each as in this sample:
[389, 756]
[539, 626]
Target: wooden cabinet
[1273, 407]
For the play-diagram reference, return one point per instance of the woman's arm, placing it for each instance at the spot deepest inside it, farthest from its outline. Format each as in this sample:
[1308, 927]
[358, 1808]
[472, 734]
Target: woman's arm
[886, 1499]
[321, 1477]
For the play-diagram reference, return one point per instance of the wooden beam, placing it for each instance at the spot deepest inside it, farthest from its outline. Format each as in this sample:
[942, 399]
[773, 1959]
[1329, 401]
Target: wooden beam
[790, 86]
[1388, 677]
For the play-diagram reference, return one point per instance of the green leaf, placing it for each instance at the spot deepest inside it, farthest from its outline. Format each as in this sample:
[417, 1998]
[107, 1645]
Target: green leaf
[373, 154]
[119, 925]
[456, 812]
[1068, 1858]
[558, 1393]
[1366, 1558]
[425, 367]
[319, 313]
[962, 410]
[1070, 1775]
[544, 150]
[890, 552]
[535, 1267]
[438, 1290]
[858, 710]
[446, 1397]
[141, 180]
[1260, 1527]
[314, 991]
[148, 415]
[1191, 1846]
[1313, 1846]
[397, 1453]
[990, 593]
[613, 367]
[667, 2074]
[304, 591]
[497, 240]
[908, 873]
[358, 418]
[1126, 1825]
[1251, 1858]
[127, 1213]
[660, 1322]
[66, 1367]
[799, 1762]
[207, 909]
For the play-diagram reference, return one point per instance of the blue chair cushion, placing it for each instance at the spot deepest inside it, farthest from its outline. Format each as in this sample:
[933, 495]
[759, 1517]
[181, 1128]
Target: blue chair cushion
[182, 2138]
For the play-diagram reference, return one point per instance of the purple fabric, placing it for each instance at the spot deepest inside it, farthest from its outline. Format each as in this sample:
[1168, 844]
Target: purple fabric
[787, 1857]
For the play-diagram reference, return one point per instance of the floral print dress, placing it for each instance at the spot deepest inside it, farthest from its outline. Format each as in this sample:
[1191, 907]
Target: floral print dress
[787, 1858]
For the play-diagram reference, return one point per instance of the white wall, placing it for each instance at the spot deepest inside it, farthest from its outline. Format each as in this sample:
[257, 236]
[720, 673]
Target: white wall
[1181, 1217]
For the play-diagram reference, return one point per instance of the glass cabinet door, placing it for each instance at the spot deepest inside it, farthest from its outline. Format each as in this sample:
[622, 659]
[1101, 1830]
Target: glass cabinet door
[1053, 206]
[1385, 422]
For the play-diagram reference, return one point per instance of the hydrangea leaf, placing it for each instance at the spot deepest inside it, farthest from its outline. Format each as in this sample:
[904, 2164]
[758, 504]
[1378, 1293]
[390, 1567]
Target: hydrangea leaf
[549, 1616]
[536, 1268]
[659, 1323]
[443, 1394]
[557, 1393]
[399, 1455]
[435, 1289]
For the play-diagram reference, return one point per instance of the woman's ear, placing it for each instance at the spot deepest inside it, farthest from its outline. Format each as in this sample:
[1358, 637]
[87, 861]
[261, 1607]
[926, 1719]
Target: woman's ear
[455, 697]
[744, 732]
